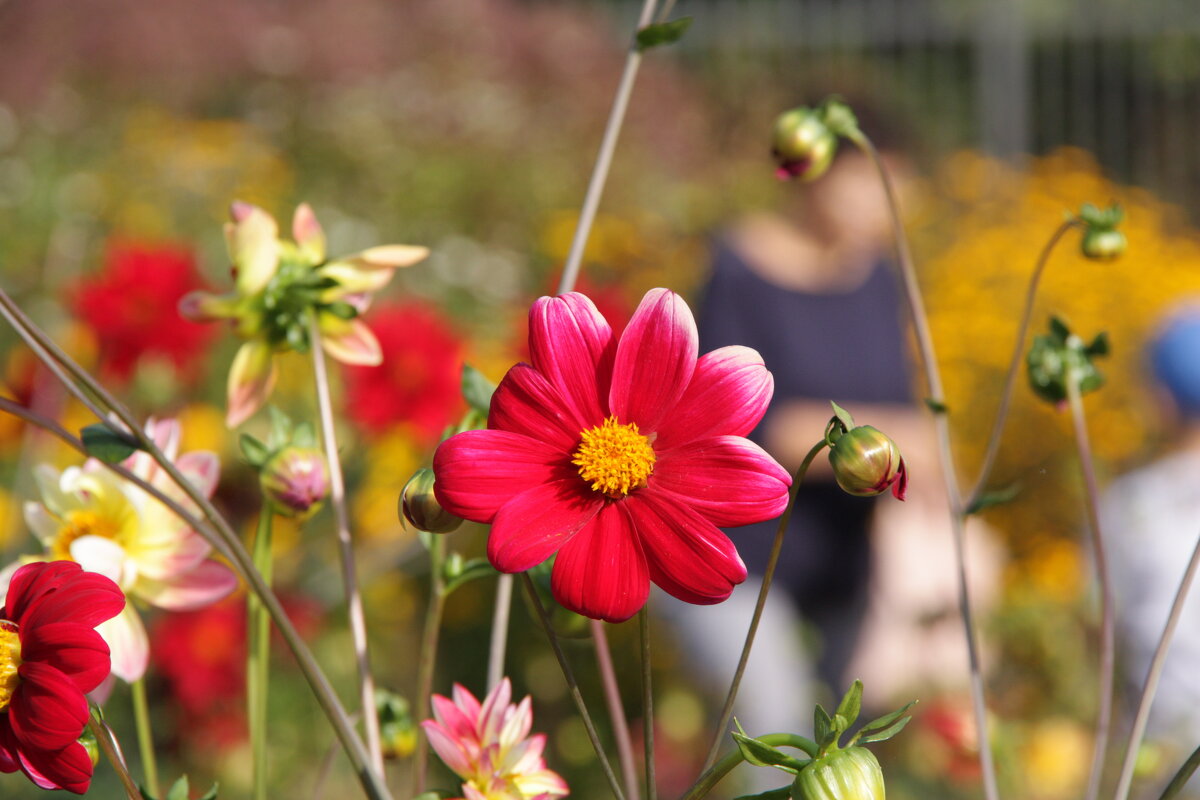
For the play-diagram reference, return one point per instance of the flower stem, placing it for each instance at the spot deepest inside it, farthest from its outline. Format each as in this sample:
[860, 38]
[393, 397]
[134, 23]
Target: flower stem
[105, 740]
[1150, 687]
[933, 380]
[258, 655]
[1107, 620]
[647, 704]
[608, 145]
[354, 604]
[145, 737]
[616, 711]
[573, 686]
[429, 643]
[1182, 776]
[1014, 364]
[768, 575]
[719, 770]
[499, 641]
[214, 528]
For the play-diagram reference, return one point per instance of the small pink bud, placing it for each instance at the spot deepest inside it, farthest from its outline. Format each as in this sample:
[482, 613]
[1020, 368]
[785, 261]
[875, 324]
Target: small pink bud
[295, 480]
[866, 462]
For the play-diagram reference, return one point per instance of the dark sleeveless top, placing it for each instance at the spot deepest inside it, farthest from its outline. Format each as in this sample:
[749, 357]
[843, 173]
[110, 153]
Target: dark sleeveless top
[844, 347]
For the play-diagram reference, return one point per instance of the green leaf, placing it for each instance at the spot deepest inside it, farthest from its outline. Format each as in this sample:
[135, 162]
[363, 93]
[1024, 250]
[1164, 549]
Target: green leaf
[1099, 345]
[1059, 330]
[281, 427]
[822, 725]
[764, 755]
[782, 793]
[256, 452]
[471, 570]
[886, 733]
[304, 435]
[661, 33]
[886, 719]
[180, 790]
[111, 447]
[995, 497]
[936, 406]
[211, 794]
[843, 415]
[851, 703]
[477, 389]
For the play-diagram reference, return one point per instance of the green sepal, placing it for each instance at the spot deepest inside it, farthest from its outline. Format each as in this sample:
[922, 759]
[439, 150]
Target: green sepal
[1059, 329]
[340, 309]
[886, 733]
[1060, 357]
[304, 435]
[1102, 218]
[936, 406]
[107, 445]
[843, 415]
[255, 452]
[281, 427]
[851, 704]
[660, 33]
[885, 727]
[764, 755]
[822, 727]
[840, 118]
[471, 570]
[782, 793]
[1099, 345]
[995, 497]
[477, 390]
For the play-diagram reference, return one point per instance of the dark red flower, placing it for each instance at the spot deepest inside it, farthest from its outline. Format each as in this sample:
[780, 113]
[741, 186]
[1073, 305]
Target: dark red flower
[418, 381]
[131, 305]
[50, 657]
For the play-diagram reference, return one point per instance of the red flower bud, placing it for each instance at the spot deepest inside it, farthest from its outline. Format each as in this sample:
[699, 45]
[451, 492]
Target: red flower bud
[295, 480]
[866, 462]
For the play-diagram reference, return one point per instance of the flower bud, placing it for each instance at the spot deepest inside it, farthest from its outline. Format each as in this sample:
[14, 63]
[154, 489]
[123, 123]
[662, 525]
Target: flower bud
[88, 740]
[850, 774]
[1102, 245]
[803, 144]
[295, 480]
[420, 507]
[866, 462]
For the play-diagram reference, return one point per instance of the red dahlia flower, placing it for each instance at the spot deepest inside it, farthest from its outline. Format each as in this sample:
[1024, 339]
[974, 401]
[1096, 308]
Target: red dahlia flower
[50, 656]
[621, 455]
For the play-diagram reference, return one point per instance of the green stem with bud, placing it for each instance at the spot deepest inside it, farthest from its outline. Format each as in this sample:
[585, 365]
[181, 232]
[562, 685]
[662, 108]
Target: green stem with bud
[213, 527]
[1014, 364]
[258, 655]
[572, 686]
[772, 561]
[1153, 674]
[933, 380]
[1107, 616]
[353, 594]
[105, 740]
[713, 775]
[428, 657]
[145, 738]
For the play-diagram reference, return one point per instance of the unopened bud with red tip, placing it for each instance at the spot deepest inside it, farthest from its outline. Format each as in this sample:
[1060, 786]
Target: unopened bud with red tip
[295, 480]
[803, 144]
[866, 462]
[850, 774]
[420, 507]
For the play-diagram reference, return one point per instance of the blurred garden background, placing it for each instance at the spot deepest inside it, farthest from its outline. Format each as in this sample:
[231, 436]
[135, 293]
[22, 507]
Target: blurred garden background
[127, 127]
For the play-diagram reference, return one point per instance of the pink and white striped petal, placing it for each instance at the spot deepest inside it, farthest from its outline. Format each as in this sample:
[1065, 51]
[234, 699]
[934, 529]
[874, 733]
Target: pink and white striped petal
[728, 395]
[308, 234]
[126, 638]
[198, 587]
[350, 341]
[251, 379]
[655, 359]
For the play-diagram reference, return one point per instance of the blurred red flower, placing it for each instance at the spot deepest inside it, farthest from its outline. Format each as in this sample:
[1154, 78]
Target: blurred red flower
[418, 381]
[131, 306]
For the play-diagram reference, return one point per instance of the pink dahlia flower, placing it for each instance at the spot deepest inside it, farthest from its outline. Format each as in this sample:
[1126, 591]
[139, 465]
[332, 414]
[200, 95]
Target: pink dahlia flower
[620, 454]
[50, 656]
[490, 748]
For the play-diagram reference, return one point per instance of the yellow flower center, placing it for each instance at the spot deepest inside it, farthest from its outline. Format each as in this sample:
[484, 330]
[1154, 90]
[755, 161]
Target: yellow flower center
[77, 524]
[614, 458]
[10, 662]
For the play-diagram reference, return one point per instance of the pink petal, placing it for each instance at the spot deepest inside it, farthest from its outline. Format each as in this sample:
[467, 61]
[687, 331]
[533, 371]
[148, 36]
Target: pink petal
[201, 306]
[251, 379]
[350, 341]
[253, 239]
[655, 360]
[491, 716]
[477, 472]
[602, 573]
[532, 526]
[728, 479]
[728, 395]
[307, 233]
[76, 650]
[168, 552]
[517, 724]
[571, 344]
[126, 638]
[196, 588]
[452, 718]
[689, 557]
[525, 402]
[202, 469]
[466, 701]
[448, 748]
[47, 711]
[388, 256]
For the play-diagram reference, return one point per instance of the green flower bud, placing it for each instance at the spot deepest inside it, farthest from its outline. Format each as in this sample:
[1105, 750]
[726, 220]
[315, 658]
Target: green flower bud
[866, 462]
[1061, 356]
[850, 774]
[803, 144]
[88, 740]
[420, 507]
[397, 729]
[1102, 245]
[295, 480]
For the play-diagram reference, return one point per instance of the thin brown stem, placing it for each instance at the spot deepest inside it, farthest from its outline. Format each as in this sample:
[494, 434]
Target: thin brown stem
[352, 592]
[616, 710]
[428, 656]
[933, 380]
[106, 741]
[1107, 616]
[1154, 673]
[572, 686]
[772, 562]
[499, 640]
[1014, 365]
[647, 704]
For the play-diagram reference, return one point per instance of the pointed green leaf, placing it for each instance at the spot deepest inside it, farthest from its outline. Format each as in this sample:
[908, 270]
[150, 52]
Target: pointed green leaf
[477, 389]
[256, 452]
[211, 794]
[661, 33]
[281, 427]
[179, 791]
[936, 406]
[887, 719]
[994, 498]
[843, 415]
[822, 725]
[304, 435]
[107, 445]
[764, 755]
[782, 793]
[886, 733]
[1099, 345]
[341, 310]
[1059, 330]
[851, 703]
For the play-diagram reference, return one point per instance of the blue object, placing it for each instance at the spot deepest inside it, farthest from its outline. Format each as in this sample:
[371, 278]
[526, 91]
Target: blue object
[1175, 356]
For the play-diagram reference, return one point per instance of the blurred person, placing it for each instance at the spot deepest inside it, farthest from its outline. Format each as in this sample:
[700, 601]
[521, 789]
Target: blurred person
[1151, 521]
